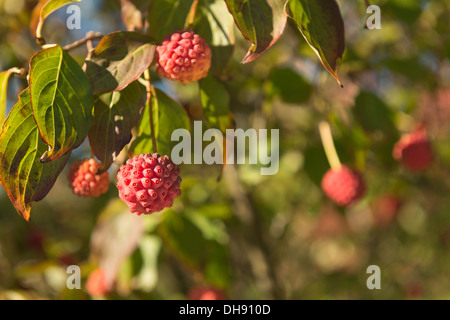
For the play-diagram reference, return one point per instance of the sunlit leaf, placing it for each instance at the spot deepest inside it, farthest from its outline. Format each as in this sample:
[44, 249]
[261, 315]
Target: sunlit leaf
[61, 100]
[168, 115]
[4, 76]
[216, 104]
[43, 9]
[216, 26]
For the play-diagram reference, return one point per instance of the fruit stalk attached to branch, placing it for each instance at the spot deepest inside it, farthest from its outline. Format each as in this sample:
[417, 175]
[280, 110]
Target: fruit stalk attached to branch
[328, 145]
[341, 184]
[150, 91]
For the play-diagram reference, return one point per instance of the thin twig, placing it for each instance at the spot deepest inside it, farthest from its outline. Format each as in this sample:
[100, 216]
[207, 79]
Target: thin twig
[150, 91]
[90, 36]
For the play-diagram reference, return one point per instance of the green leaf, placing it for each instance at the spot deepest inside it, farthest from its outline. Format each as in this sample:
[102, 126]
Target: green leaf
[4, 76]
[372, 113]
[167, 16]
[115, 114]
[217, 268]
[321, 24]
[411, 67]
[168, 115]
[261, 22]
[315, 163]
[23, 176]
[44, 9]
[216, 104]
[119, 59]
[216, 26]
[289, 86]
[187, 241]
[183, 238]
[407, 11]
[53, 5]
[61, 100]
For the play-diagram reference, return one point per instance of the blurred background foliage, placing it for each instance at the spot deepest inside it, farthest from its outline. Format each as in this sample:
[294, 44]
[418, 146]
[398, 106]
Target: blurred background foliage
[264, 237]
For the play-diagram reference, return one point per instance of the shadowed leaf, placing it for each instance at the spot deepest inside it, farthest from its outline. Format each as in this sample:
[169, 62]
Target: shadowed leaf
[290, 86]
[167, 16]
[261, 22]
[119, 59]
[115, 114]
[321, 24]
[23, 176]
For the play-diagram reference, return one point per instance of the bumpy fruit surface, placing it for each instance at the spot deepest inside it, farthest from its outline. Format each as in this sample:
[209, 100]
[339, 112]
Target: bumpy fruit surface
[344, 186]
[184, 57]
[414, 151]
[206, 293]
[148, 183]
[84, 180]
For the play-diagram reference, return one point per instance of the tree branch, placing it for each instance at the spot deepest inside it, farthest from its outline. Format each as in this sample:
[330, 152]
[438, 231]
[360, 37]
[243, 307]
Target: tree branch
[90, 36]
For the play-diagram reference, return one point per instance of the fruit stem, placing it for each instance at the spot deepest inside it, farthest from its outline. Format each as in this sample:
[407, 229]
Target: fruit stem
[150, 91]
[191, 15]
[40, 41]
[328, 145]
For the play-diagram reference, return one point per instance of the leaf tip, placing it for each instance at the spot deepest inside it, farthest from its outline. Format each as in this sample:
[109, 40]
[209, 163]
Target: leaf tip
[26, 216]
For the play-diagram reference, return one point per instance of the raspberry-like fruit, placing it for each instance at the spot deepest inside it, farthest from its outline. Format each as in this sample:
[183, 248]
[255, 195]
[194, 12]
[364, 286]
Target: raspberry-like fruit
[96, 284]
[206, 293]
[344, 186]
[414, 151]
[84, 180]
[184, 57]
[148, 183]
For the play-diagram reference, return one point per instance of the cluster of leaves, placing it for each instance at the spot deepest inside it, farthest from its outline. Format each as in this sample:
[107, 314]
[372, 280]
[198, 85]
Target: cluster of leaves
[103, 99]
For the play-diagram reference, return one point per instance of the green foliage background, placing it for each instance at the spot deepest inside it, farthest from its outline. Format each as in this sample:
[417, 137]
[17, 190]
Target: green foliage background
[263, 237]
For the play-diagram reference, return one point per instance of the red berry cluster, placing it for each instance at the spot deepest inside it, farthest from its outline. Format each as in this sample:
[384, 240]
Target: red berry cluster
[84, 180]
[414, 151]
[343, 185]
[148, 183]
[184, 57]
